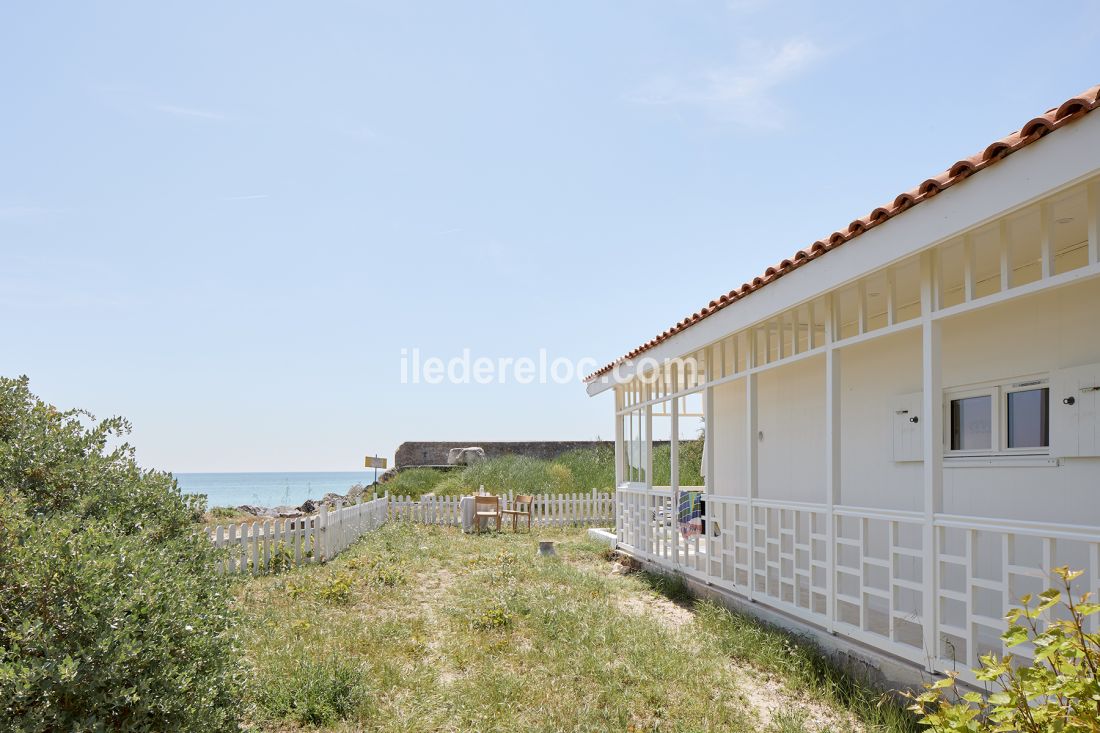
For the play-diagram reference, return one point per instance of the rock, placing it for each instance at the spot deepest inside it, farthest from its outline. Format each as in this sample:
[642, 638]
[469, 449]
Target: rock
[288, 512]
[465, 456]
[257, 511]
[355, 492]
[309, 506]
[332, 498]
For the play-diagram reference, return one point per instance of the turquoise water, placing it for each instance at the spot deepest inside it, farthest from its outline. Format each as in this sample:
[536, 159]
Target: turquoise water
[269, 489]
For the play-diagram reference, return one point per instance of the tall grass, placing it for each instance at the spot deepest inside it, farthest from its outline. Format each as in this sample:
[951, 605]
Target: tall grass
[414, 482]
[518, 474]
[578, 470]
[691, 463]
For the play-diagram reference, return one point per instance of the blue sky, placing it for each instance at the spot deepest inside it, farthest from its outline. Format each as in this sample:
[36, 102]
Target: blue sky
[225, 220]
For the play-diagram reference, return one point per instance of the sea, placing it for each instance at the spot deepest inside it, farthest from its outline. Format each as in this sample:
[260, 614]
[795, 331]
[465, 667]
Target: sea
[270, 489]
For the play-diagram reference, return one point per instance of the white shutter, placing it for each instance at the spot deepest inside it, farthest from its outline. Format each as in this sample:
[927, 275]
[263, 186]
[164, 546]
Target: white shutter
[1074, 405]
[908, 436]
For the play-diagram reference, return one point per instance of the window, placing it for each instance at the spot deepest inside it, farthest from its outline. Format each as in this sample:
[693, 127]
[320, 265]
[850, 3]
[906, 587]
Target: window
[999, 419]
[1028, 422]
[972, 423]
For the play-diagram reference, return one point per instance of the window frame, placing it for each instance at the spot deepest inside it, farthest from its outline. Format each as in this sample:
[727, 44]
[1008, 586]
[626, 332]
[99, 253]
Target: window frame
[1023, 385]
[998, 392]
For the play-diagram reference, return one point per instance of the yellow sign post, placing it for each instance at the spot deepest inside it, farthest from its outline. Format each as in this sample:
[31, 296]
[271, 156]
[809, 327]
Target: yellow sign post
[376, 463]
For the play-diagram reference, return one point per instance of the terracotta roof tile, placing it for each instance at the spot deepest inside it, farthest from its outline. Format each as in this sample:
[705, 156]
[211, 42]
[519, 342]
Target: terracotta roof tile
[1034, 129]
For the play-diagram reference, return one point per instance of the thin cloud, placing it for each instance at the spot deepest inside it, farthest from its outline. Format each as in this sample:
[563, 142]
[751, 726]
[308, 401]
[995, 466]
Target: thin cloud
[202, 114]
[744, 93]
[246, 197]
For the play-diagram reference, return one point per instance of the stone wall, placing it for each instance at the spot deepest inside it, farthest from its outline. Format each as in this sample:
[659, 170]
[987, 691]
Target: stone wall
[434, 453]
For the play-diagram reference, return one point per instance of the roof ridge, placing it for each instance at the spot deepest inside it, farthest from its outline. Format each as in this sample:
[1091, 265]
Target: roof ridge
[1072, 109]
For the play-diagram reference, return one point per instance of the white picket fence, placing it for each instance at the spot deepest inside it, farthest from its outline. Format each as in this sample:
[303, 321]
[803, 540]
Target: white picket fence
[259, 547]
[263, 546]
[548, 510]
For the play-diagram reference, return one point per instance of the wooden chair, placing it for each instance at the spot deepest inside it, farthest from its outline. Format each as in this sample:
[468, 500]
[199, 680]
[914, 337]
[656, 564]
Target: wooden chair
[521, 500]
[486, 507]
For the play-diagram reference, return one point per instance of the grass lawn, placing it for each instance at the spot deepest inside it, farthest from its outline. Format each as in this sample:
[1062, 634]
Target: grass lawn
[426, 629]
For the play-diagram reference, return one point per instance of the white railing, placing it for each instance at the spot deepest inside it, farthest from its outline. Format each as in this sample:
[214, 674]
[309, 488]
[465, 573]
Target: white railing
[265, 545]
[780, 554]
[548, 510]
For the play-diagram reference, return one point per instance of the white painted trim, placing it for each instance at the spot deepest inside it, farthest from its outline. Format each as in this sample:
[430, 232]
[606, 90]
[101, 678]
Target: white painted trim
[833, 437]
[752, 475]
[1080, 274]
[932, 471]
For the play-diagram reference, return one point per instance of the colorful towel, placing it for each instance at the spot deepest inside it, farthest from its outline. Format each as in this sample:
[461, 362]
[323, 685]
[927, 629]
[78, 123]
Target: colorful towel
[690, 513]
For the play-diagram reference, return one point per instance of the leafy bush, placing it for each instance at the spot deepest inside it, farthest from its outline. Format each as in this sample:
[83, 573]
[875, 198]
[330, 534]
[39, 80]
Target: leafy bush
[111, 614]
[196, 505]
[1056, 691]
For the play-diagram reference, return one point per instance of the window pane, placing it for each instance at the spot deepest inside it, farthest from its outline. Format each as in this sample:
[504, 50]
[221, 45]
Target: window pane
[972, 423]
[1028, 421]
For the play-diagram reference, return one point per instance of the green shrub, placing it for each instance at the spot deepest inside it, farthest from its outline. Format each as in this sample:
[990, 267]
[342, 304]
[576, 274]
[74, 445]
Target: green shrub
[491, 619]
[1055, 692]
[196, 505]
[111, 614]
[337, 590]
[224, 512]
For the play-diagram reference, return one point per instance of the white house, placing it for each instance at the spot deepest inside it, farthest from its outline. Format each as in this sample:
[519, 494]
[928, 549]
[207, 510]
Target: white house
[902, 426]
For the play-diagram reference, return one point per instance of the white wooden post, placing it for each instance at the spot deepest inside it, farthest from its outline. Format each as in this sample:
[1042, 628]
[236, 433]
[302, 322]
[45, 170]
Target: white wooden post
[932, 433]
[266, 528]
[255, 542]
[277, 535]
[969, 269]
[891, 297]
[709, 486]
[863, 317]
[752, 451]
[650, 523]
[1046, 241]
[219, 539]
[620, 453]
[1093, 213]
[231, 541]
[1006, 258]
[832, 460]
[674, 470]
